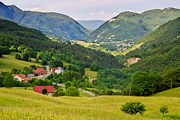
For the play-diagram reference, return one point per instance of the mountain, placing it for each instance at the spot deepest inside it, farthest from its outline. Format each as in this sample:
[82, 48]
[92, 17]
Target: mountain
[12, 34]
[91, 24]
[49, 23]
[159, 50]
[132, 26]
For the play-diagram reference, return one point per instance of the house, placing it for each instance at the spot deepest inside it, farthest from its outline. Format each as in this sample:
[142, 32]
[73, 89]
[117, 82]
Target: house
[40, 71]
[38, 89]
[53, 70]
[57, 70]
[27, 79]
[19, 77]
[31, 75]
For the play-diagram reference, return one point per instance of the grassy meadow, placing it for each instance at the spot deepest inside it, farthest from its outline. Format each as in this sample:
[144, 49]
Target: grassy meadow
[8, 62]
[175, 92]
[19, 104]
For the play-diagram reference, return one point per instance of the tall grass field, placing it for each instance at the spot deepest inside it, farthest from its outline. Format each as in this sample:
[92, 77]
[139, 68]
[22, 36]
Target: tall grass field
[19, 104]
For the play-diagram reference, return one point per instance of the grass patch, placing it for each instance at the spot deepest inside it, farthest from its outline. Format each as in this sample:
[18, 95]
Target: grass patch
[90, 73]
[8, 62]
[82, 94]
[175, 92]
[24, 88]
[25, 104]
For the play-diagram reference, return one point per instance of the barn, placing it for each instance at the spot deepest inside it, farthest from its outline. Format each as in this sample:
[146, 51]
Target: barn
[38, 89]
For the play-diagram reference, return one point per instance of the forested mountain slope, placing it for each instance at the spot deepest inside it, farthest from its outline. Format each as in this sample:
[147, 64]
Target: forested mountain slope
[14, 34]
[130, 26]
[49, 23]
[158, 51]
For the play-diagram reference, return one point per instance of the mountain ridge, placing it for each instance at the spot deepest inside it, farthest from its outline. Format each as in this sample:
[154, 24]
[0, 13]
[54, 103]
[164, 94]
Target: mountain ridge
[48, 22]
[132, 26]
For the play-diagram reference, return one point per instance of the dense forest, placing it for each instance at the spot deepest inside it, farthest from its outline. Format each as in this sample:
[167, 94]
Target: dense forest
[13, 35]
[158, 51]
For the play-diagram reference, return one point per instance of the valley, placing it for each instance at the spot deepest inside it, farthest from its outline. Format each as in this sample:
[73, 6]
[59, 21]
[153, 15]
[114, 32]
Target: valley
[49, 62]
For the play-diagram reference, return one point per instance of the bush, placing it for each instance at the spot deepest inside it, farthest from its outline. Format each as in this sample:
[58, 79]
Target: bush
[72, 91]
[164, 109]
[44, 91]
[133, 108]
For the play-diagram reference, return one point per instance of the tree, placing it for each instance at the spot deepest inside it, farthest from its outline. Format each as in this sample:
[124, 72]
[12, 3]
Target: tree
[25, 57]
[72, 91]
[12, 48]
[68, 84]
[172, 78]
[44, 91]
[8, 80]
[133, 108]
[1, 81]
[164, 109]
[1, 53]
[140, 83]
[18, 56]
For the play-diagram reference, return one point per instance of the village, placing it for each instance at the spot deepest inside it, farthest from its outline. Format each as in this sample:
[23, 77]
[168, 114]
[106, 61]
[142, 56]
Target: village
[41, 74]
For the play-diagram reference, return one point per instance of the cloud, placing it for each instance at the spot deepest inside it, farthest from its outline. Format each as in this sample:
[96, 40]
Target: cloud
[102, 12]
[38, 9]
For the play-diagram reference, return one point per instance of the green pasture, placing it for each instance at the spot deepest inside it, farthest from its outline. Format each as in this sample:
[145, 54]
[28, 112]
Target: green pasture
[20, 104]
[8, 62]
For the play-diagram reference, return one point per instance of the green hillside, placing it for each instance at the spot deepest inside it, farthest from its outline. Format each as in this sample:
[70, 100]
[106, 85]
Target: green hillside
[49, 23]
[130, 26]
[158, 51]
[24, 104]
[8, 62]
[13, 34]
[175, 92]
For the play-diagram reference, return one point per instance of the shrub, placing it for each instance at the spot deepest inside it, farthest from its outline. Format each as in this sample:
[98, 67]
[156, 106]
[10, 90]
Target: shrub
[164, 109]
[133, 108]
[72, 91]
[44, 91]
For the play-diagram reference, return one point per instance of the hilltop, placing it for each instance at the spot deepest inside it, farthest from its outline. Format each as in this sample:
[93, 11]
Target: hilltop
[159, 50]
[49, 23]
[130, 26]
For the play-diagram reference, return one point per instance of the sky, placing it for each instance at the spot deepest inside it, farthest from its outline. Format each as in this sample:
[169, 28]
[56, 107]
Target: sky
[92, 9]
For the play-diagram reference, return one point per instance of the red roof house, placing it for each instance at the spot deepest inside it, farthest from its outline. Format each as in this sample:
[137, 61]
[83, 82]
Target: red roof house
[53, 70]
[40, 71]
[38, 89]
[27, 79]
[19, 77]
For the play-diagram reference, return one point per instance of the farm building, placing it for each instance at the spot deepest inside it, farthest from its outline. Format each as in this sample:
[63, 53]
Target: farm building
[57, 70]
[38, 89]
[40, 71]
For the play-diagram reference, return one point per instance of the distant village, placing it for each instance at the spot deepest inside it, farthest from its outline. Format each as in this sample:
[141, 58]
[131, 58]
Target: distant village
[37, 74]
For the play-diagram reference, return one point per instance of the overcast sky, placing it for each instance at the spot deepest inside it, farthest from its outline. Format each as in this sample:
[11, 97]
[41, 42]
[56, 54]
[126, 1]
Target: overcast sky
[92, 9]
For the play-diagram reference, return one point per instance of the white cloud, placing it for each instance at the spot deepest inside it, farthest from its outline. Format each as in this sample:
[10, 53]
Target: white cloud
[38, 9]
[102, 12]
